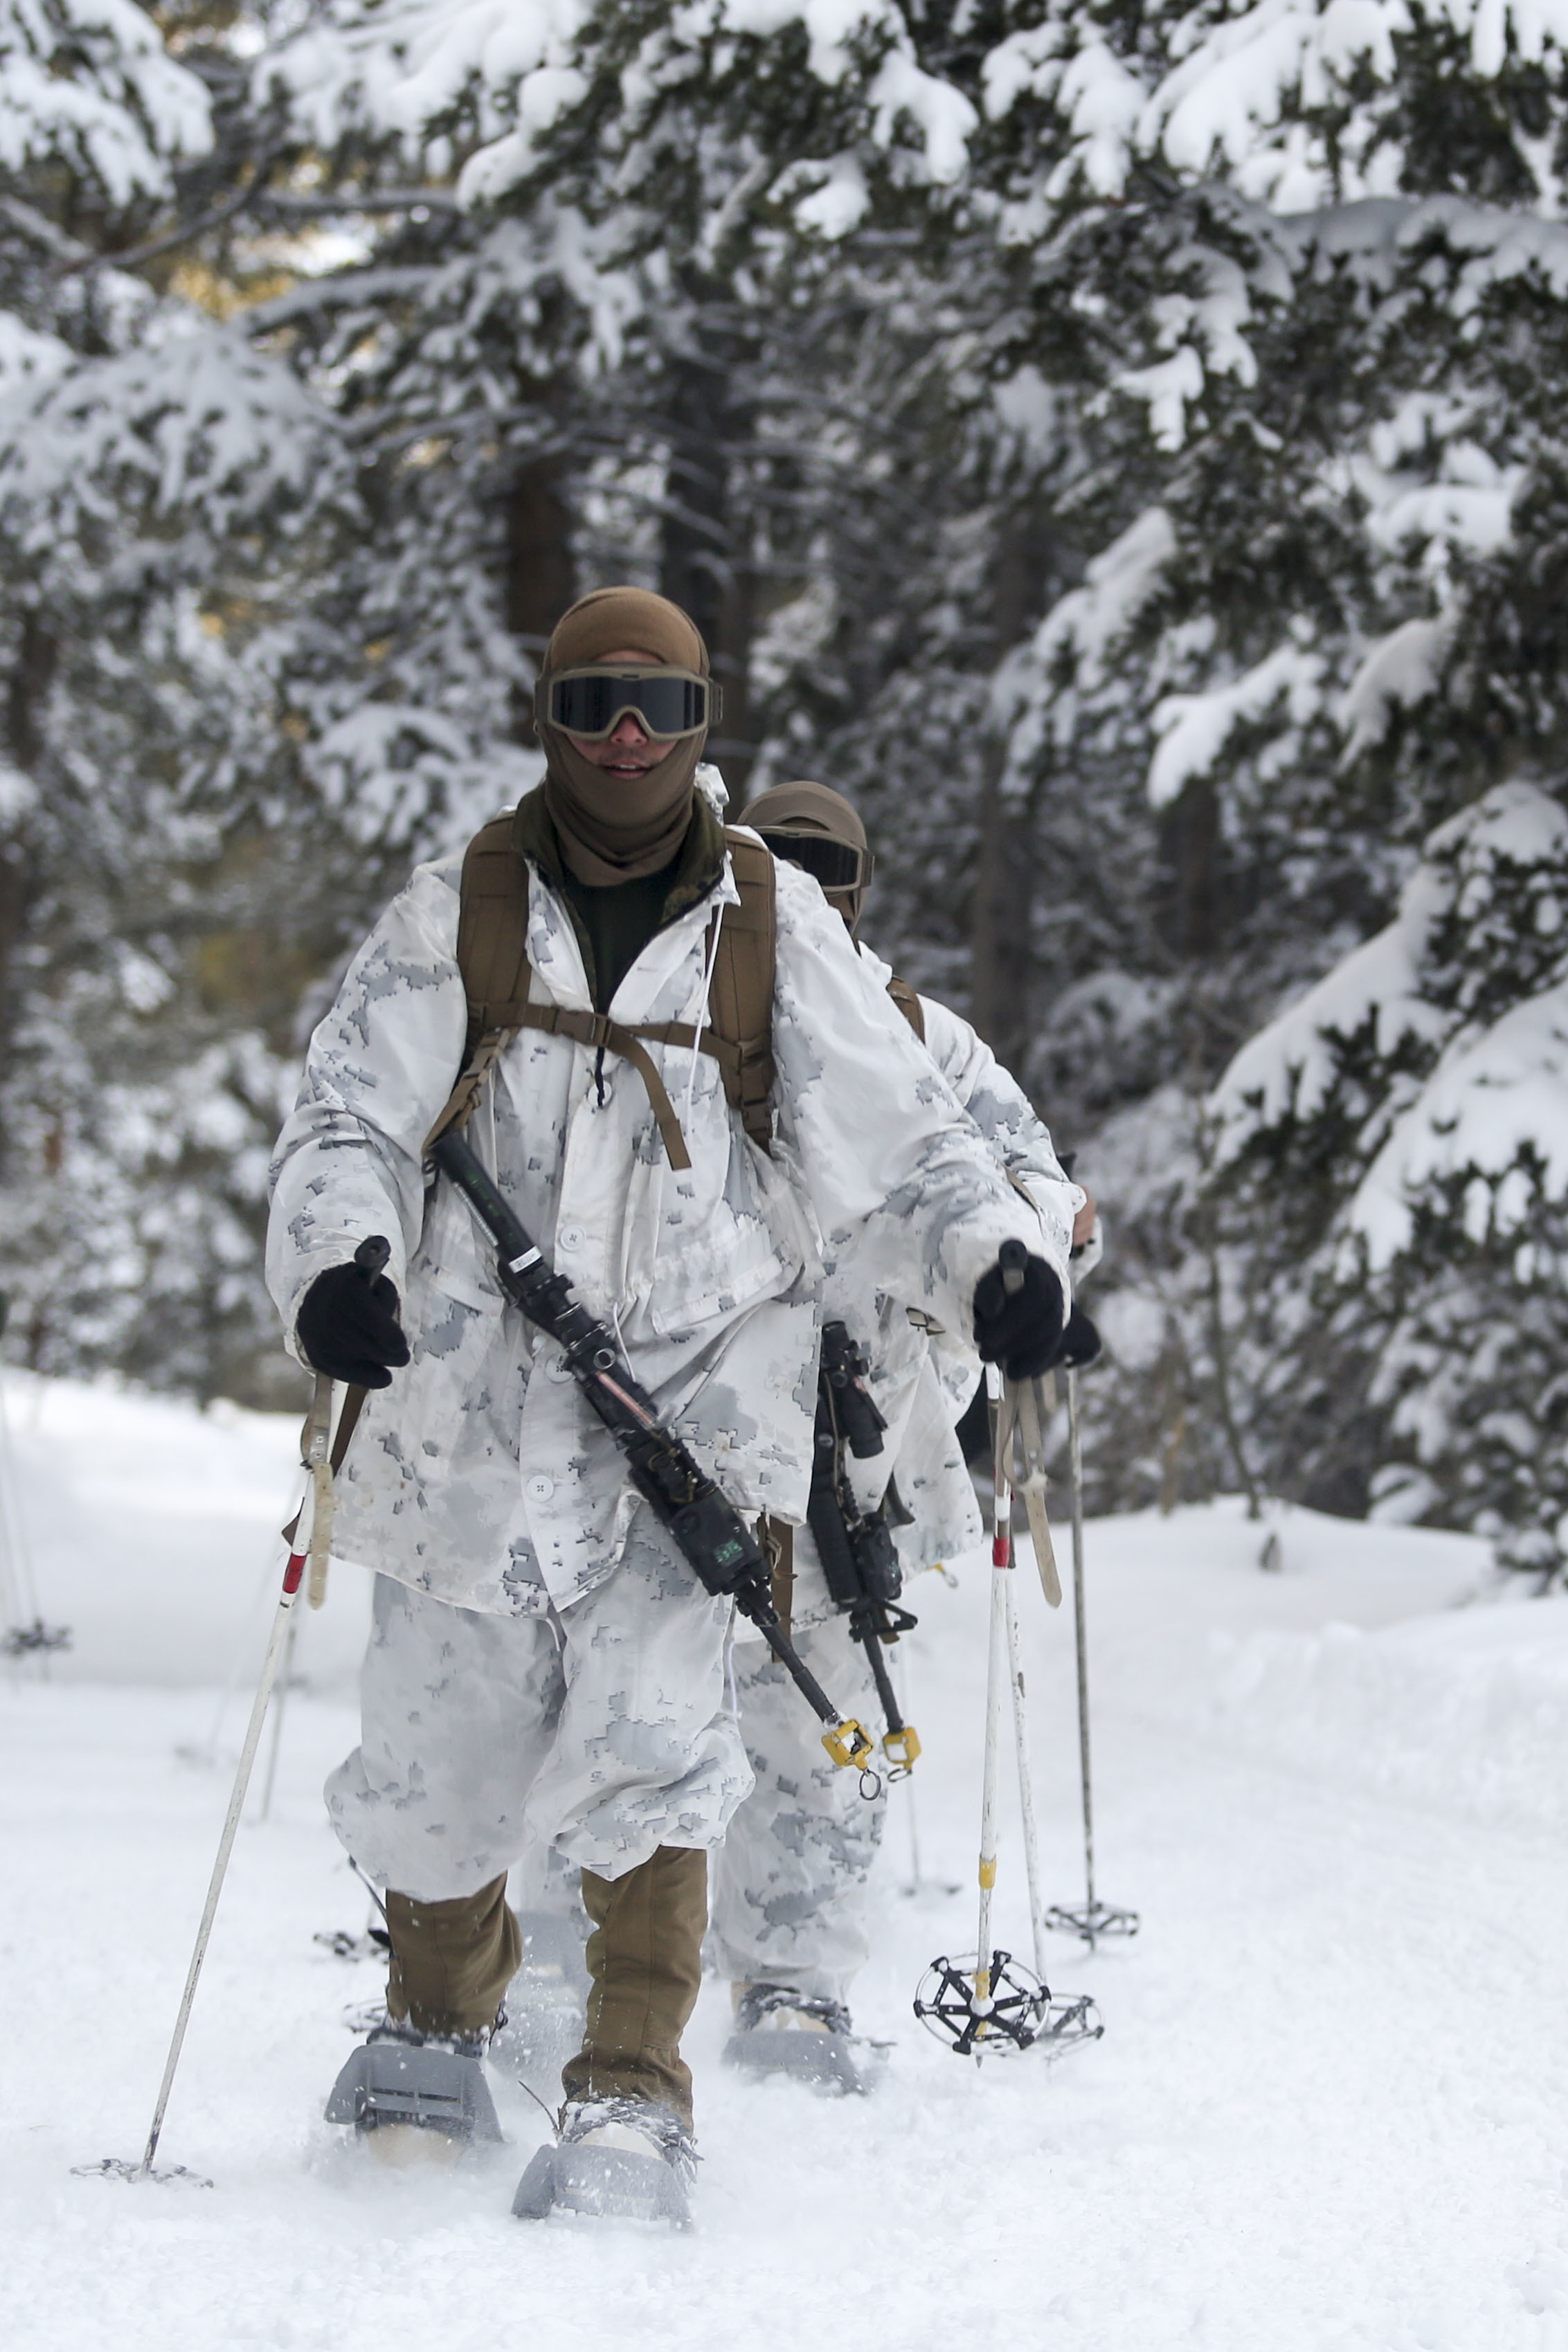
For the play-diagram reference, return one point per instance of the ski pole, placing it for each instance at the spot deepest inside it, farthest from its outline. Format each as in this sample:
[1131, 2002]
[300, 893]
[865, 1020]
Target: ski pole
[1081, 1636]
[285, 1675]
[995, 1669]
[1096, 1918]
[293, 1577]
[1026, 1786]
[371, 1256]
[997, 2007]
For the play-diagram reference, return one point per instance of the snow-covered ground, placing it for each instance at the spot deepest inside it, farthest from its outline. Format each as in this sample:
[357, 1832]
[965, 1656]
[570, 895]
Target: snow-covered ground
[1330, 2111]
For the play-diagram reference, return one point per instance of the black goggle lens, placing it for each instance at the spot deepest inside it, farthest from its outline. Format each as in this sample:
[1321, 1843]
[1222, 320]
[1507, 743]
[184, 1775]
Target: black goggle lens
[667, 703]
[833, 863]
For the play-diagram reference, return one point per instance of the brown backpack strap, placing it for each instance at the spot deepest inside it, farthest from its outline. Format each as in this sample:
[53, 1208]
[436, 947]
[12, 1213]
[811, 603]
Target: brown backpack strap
[492, 957]
[493, 928]
[596, 1029]
[909, 1004]
[740, 1001]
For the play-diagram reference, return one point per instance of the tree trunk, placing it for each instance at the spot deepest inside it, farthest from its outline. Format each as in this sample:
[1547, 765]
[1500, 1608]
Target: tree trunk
[1001, 915]
[1192, 917]
[539, 579]
[1025, 579]
[703, 563]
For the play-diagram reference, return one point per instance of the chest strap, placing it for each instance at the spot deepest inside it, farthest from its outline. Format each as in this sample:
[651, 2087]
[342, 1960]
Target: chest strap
[597, 1032]
[492, 954]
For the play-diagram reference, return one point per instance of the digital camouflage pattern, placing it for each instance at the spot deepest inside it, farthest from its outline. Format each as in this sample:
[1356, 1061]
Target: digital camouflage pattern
[479, 1475]
[606, 1731]
[479, 1480]
[789, 1887]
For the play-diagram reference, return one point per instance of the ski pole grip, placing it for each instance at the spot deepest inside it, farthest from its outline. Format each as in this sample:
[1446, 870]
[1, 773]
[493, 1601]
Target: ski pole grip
[1012, 1257]
[371, 1256]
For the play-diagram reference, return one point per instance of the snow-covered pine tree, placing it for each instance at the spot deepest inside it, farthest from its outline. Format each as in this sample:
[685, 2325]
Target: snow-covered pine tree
[1400, 1133]
[159, 484]
[1324, 288]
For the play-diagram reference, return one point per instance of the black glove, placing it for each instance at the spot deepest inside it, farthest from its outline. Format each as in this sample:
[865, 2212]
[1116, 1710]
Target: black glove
[348, 1324]
[1020, 1313]
[1079, 1344]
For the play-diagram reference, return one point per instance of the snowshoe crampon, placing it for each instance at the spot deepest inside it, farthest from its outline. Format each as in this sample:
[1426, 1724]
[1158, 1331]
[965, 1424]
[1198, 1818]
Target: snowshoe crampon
[413, 2096]
[779, 2032]
[1010, 2012]
[616, 2159]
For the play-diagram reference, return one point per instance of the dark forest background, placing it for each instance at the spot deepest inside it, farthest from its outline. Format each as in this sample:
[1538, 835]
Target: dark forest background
[1120, 445]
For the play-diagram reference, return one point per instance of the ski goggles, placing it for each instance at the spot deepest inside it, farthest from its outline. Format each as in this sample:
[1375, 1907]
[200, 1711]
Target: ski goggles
[664, 702]
[836, 865]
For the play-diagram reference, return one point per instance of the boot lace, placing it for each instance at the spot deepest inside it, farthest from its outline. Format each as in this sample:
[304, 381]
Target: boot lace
[661, 2129]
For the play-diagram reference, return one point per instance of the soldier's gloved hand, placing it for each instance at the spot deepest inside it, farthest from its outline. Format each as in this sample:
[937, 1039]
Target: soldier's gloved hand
[347, 1325]
[1020, 1313]
[1079, 1344]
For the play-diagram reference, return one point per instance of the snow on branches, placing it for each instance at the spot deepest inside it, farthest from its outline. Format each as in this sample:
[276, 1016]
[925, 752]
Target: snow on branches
[1406, 1122]
[90, 84]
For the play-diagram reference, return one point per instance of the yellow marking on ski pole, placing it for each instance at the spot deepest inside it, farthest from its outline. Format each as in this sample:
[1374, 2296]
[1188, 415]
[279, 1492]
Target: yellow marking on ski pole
[987, 1871]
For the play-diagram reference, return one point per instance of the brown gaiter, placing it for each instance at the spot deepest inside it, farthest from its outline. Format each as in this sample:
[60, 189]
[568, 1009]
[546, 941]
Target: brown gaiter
[451, 1962]
[644, 1958]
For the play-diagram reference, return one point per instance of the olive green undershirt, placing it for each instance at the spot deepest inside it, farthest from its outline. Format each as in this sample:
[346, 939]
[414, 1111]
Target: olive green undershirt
[614, 924]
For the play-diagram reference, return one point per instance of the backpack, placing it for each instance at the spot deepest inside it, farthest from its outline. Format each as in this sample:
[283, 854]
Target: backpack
[492, 957]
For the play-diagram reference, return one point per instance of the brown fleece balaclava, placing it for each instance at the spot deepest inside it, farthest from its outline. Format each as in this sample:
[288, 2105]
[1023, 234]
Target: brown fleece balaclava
[816, 809]
[611, 829]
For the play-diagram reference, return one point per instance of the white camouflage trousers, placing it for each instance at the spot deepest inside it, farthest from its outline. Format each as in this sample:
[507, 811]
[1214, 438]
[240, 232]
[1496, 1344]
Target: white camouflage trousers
[789, 1892]
[602, 1730]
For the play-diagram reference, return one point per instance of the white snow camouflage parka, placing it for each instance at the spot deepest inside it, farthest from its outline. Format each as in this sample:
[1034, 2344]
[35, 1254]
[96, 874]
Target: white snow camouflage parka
[923, 1380]
[479, 1475]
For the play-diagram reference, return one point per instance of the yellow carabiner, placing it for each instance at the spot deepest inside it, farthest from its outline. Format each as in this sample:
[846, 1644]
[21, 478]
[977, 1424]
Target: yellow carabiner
[901, 1748]
[847, 1743]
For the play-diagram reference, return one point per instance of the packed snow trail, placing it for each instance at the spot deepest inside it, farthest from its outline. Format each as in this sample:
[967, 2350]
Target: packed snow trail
[1327, 2113]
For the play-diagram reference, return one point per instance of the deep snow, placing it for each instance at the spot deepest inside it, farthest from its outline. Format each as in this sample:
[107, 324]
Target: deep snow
[1328, 2112]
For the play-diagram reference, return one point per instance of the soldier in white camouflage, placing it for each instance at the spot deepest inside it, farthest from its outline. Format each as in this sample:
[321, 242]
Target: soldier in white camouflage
[790, 1925]
[545, 1667]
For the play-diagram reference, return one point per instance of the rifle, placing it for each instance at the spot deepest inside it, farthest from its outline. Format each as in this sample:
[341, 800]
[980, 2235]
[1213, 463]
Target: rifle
[856, 1548]
[721, 1550]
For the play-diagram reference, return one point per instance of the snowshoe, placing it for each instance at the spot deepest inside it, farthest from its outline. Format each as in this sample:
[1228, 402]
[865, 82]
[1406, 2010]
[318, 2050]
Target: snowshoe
[546, 2004]
[415, 2095]
[616, 2159]
[780, 2032]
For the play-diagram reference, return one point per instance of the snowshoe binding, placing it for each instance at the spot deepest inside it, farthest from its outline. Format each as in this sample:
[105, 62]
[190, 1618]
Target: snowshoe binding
[615, 2159]
[415, 2095]
[778, 2030]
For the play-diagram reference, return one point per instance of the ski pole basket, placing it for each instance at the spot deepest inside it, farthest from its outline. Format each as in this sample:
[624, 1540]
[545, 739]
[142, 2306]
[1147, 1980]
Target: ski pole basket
[1015, 2012]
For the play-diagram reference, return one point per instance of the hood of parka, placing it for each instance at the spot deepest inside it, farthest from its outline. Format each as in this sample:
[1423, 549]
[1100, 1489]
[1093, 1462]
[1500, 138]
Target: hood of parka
[816, 811]
[611, 829]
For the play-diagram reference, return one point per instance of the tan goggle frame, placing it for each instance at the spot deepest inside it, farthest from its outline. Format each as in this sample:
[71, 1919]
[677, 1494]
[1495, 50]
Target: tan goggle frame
[627, 689]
